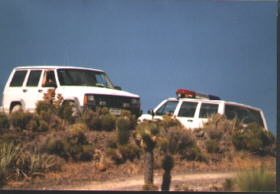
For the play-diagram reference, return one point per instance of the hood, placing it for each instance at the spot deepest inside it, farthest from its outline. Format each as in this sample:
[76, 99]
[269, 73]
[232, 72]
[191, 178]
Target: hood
[98, 90]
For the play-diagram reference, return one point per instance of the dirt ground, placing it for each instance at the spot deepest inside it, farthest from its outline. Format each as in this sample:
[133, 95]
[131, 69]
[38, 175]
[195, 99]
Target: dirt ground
[186, 176]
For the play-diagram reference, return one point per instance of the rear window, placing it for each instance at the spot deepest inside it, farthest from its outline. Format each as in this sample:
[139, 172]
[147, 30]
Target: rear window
[245, 115]
[207, 110]
[167, 108]
[187, 109]
[18, 79]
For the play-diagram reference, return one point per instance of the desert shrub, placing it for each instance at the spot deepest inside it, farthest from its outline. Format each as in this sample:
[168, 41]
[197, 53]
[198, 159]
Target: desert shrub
[114, 155]
[260, 179]
[53, 144]
[4, 122]
[212, 146]
[254, 139]
[91, 119]
[175, 140]
[37, 124]
[65, 111]
[71, 145]
[108, 122]
[87, 153]
[194, 154]
[112, 142]
[20, 119]
[129, 152]
[126, 114]
[76, 133]
[9, 153]
[168, 122]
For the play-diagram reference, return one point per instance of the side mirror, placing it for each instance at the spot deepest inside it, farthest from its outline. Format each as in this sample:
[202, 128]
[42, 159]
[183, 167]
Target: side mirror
[118, 87]
[151, 112]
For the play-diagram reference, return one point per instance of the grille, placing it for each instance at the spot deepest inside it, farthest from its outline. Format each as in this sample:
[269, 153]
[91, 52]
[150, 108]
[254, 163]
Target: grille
[112, 101]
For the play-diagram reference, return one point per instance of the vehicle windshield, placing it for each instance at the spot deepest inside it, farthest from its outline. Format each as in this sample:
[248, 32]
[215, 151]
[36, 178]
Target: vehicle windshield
[167, 108]
[80, 77]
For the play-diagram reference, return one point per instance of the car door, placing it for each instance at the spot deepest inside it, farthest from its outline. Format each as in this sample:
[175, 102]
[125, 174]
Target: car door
[187, 114]
[206, 110]
[31, 89]
[48, 81]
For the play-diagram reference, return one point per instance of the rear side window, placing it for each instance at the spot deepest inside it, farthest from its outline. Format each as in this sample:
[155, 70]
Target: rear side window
[187, 109]
[207, 110]
[167, 108]
[33, 79]
[18, 78]
[245, 115]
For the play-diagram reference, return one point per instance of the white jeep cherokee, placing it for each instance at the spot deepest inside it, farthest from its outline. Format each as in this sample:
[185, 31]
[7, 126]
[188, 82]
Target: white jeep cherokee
[84, 87]
[192, 109]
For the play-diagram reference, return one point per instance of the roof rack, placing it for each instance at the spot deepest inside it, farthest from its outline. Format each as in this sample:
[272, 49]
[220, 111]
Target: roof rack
[183, 93]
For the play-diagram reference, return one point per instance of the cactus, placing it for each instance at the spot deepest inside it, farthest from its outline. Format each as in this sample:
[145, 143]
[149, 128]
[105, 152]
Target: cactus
[146, 135]
[167, 165]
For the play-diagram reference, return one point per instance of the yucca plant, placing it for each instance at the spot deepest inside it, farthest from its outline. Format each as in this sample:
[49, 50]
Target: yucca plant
[146, 136]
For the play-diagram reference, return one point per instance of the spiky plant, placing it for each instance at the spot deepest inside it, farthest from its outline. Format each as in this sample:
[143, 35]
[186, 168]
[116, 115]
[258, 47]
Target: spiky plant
[146, 135]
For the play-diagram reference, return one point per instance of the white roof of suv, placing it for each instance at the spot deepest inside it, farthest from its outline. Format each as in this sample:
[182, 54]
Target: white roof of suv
[55, 67]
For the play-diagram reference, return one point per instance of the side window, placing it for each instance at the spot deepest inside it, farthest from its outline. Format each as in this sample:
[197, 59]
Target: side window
[243, 114]
[49, 79]
[208, 109]
[33, 78]
[187, 109]
[18, 78]
[168, 107]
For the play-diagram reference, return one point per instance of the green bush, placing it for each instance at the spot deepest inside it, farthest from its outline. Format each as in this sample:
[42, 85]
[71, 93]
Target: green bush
[254, 139]
[175, 140]
[260, 179]
[20, 119]
[123, 127]
[91, 119]
[194, 154]
[4, 122]
[108, 122]
[76, 134]
[129, 152]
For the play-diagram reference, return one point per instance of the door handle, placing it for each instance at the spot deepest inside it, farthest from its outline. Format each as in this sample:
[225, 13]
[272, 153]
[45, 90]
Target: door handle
[40, 90]
[24, 90]
[190, 120]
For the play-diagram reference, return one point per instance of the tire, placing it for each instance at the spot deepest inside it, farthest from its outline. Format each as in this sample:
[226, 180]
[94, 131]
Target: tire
[16, 108]
[75, 110]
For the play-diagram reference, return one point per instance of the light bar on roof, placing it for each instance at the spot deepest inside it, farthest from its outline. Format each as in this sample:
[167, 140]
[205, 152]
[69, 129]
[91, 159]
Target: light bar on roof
[183, 93]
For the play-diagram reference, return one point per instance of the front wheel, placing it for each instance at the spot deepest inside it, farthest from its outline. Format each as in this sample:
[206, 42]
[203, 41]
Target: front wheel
[16, 108]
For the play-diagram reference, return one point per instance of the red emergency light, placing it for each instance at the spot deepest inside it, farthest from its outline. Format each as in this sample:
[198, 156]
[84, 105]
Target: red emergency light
[183, 93]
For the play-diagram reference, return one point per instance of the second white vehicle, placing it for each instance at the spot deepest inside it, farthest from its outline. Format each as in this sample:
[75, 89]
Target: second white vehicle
[192, 109]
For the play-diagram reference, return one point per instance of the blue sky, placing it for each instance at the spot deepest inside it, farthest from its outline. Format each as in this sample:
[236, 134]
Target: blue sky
[151, 47]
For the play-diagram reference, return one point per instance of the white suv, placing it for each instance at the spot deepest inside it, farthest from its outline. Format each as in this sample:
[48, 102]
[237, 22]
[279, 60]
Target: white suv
[192, 109]
[84, 87]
